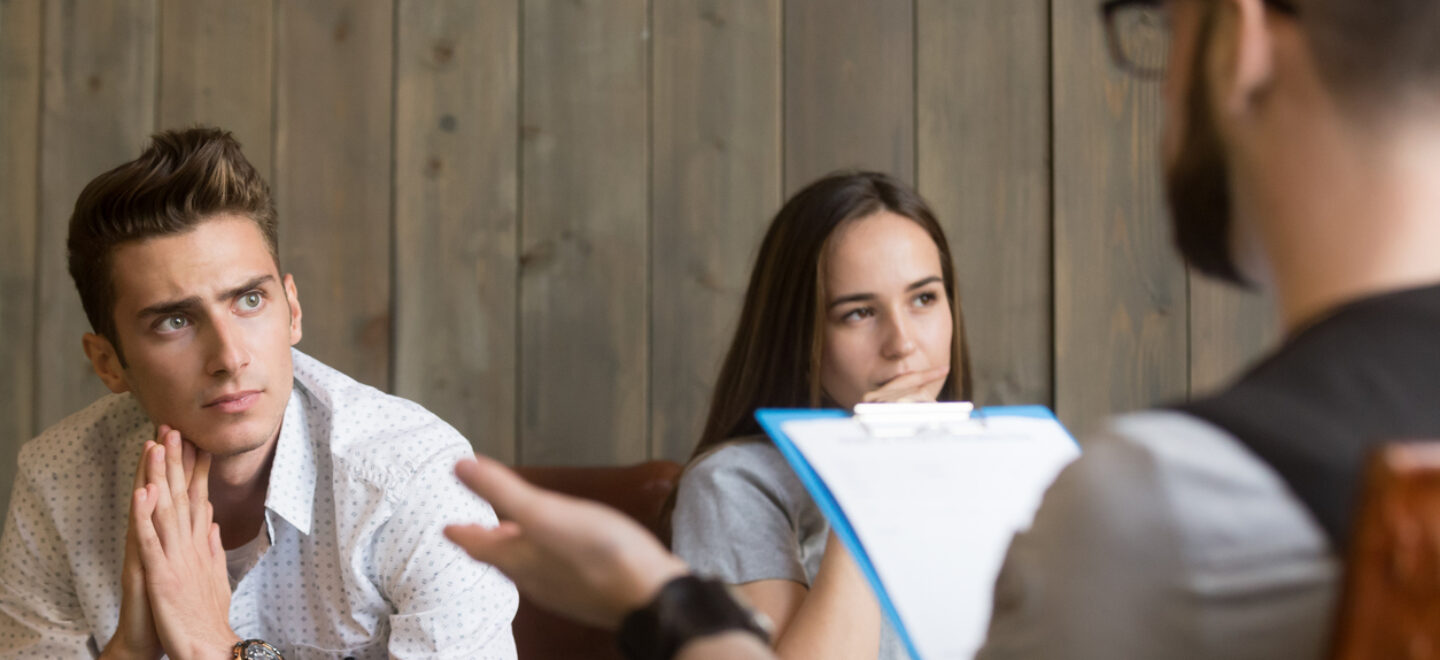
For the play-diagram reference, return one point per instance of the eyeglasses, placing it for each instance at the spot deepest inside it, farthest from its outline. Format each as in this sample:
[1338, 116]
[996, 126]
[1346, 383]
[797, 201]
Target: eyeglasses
[1137, 33]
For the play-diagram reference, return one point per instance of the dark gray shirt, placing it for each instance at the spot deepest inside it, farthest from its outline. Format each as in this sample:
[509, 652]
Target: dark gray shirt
[742, 515]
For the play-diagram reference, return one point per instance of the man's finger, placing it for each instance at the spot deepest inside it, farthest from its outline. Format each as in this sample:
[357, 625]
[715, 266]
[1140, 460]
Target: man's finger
[141, 465]
[162, 521]
[485, 544]
[139, 508]
[146, 502]
[175, 477]
[217, 557]
[200, 491]
[204, 514]
[506, 492]
[187, 460]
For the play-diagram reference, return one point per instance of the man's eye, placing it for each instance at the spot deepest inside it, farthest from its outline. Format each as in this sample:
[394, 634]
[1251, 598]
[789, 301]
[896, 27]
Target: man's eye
[251, 301]
[174, 323]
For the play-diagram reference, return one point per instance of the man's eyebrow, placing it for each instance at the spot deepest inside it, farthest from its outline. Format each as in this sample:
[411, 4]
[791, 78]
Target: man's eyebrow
[862, 297]
[170, 307]
[192, 302]
[254, 283]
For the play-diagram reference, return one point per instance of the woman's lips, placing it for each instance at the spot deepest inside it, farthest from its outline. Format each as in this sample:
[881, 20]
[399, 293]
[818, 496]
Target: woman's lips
[235, 403]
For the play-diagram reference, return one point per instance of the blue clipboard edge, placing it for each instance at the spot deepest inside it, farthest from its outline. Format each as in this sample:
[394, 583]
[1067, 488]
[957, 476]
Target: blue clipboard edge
[771, 419]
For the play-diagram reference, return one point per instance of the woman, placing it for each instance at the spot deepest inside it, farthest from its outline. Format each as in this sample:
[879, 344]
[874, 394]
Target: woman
[852, 300]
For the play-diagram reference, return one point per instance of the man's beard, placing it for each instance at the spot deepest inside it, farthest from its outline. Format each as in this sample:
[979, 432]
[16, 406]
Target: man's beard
[1198, 186]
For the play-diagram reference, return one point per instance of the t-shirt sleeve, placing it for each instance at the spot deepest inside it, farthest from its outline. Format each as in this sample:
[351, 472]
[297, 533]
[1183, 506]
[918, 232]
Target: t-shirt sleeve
[735, 518]
[40, 615]
[1164, 539]
[1081, 582]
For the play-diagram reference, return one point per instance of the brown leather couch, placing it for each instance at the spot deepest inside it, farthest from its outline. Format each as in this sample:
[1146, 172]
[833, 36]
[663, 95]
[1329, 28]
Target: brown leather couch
[1391, 603]
[639, 491]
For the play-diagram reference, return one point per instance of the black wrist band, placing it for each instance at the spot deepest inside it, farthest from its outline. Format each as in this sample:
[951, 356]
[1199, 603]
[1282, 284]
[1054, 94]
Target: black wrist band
[687, 607]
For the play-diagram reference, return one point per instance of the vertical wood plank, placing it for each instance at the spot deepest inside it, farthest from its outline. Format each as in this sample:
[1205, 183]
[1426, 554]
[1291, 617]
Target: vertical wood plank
[98, 112]
[332, 177]
[1229, 329]
[584, 238]
[716, 183]
[984, 164]
[1120, 290]
[456, 179]
[216, 69]
[849, 88]
[20, 26]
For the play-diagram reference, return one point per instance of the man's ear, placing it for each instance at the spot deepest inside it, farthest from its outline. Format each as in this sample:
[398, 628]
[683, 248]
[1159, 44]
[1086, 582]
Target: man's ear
[106, 362]
[293, 298]
[1242, 54]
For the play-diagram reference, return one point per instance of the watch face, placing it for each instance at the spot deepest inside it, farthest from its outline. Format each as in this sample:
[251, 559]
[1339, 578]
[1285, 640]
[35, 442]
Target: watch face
[254, 649]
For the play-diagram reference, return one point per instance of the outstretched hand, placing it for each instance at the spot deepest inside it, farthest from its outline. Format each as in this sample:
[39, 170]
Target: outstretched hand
[578, 558]
[184, 564]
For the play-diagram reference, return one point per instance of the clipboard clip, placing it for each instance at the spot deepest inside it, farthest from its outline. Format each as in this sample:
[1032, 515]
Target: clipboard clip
[908, 420]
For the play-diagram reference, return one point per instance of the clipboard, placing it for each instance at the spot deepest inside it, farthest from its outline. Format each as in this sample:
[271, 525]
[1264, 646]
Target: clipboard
[893, 438]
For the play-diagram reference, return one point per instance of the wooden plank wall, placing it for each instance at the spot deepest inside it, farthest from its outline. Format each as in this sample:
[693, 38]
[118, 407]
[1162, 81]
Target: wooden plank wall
[537, 217]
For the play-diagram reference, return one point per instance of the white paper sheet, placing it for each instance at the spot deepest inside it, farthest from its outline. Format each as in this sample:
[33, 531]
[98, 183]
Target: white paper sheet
[935, 514]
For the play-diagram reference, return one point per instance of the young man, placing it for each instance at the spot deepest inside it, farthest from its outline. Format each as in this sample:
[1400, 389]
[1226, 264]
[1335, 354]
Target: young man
[329, 495]
[1302, 152]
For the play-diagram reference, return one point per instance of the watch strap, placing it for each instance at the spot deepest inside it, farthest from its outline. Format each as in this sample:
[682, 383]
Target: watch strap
[686, 608]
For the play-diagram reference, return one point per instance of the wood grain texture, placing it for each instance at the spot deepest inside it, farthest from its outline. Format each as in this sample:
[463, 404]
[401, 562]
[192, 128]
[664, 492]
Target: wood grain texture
[1229, 329]
[456, 188]
[984, 165]
[584, 239]
[849, 88]
[98, 112]
[20, 30]
[217, 69]
[716, 183]
[1120, 290]
[332, 177]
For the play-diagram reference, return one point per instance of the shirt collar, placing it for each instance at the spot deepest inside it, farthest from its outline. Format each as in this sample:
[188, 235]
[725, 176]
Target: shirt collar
[291, 493]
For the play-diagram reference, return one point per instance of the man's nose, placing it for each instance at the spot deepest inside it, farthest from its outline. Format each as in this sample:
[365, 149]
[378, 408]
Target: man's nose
[228, 352]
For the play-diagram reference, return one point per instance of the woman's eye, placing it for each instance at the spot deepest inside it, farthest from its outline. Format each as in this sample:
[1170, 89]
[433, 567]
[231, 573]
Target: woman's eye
[925, 299]
[251, 301]
[858, 314]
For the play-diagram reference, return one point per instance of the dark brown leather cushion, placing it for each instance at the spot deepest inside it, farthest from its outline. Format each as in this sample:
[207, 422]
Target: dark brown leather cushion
[1390, 607]
[638, 490]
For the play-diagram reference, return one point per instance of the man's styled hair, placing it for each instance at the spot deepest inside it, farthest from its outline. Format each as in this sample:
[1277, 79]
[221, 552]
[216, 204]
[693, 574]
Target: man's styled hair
[183, 178]
[1375, 53]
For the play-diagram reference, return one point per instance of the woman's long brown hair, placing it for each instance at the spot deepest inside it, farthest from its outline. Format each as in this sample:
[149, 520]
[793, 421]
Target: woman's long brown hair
[774, 359]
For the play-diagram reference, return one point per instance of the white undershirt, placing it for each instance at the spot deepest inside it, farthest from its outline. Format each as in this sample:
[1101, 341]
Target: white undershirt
[239, 561]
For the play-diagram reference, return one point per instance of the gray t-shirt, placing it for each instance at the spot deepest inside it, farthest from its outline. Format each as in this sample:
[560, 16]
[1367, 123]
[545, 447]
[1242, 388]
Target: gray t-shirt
[742, 515]
[1167, 538]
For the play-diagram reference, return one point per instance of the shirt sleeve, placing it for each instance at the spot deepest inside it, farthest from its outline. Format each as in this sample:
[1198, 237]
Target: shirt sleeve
[1164, 539]
[447, 605]
[735, 520]
[40, 615]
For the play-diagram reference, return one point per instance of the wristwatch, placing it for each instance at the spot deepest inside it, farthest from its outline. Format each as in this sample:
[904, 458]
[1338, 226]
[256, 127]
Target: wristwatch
[687, 607]
[254, 649]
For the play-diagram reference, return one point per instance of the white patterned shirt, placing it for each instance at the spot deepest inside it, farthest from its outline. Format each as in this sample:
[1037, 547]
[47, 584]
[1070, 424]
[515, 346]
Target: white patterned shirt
[360, 489]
